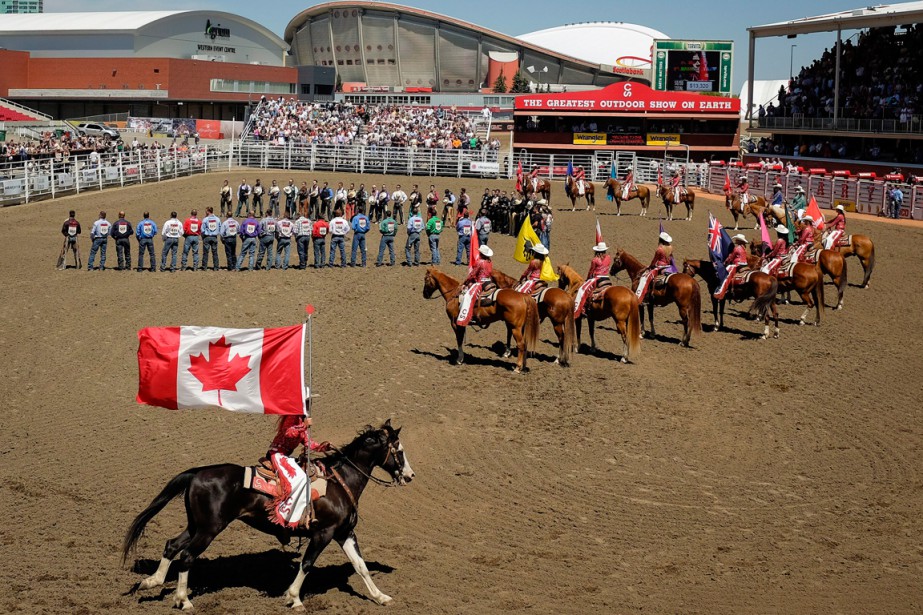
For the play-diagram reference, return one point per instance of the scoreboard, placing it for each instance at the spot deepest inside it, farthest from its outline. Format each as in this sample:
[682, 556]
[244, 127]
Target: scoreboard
[693, 66]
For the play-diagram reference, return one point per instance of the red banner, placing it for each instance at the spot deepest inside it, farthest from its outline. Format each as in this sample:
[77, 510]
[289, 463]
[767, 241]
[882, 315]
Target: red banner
[208, 129]
[630, 97]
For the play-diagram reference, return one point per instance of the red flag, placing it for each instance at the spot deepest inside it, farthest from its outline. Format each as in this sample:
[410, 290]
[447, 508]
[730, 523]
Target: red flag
[519, 177]
[727, 182]
[244, 370]
[599, 232]
[813, 211]
[475, 257]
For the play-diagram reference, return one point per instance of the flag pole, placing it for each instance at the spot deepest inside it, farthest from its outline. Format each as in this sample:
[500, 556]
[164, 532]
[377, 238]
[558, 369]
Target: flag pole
[309, 313]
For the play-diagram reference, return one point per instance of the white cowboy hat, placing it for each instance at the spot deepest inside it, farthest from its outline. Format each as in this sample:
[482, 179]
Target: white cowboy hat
[739, 237]
[799, 189]
[779, 186]
[782, 229]
[840, 207]
[486, 251]
[665, 237]
[540, 249]
[600, 247]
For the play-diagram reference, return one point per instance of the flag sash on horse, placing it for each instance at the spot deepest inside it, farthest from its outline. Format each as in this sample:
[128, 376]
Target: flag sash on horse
[243, 370]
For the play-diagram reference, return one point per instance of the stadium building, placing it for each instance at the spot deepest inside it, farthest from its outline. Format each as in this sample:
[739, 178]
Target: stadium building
[381, 47]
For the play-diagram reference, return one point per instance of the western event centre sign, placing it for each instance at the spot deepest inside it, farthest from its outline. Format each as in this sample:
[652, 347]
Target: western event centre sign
[628, 97]
[693, 66]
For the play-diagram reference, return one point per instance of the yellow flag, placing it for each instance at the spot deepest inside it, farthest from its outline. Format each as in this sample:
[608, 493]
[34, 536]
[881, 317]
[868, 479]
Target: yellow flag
[526, 234]
[548, 274]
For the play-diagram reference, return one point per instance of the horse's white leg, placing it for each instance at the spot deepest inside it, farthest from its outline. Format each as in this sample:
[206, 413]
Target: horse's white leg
[181, 597]
[765, 332]
[804, 315]
[293, 593]
[352, 553]
[156, 579]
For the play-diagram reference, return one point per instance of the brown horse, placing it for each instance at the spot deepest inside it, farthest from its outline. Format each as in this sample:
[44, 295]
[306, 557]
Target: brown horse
[556, 306]
[589, 193]
[519, 312]
[616, 302]
[807, 280]
[680, 289]
[666, 194]
[754, 208]
[862, 248]
[831, 263]
[542, 188]
[761, 287]
[640, 192]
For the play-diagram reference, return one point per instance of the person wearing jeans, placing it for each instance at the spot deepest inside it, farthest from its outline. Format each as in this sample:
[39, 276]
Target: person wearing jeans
[172, 231]
[414, 228]
[339, 227]
[464, 228]
[360, 225]
[145, 232]
[303, 229]
[192, 229]
[388, 228]
[284, 230]
[249, 230]
[433, 231]
[100, 236]
[319, 234]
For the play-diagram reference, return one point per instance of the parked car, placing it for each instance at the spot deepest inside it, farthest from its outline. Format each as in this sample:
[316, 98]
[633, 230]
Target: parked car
[96, 129]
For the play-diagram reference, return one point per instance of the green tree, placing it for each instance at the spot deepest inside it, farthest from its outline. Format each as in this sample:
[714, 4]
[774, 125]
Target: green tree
[500, 84]
[520, 84]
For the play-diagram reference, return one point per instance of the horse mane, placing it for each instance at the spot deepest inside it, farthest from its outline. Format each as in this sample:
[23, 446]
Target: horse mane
[353, 447]
[629, 259]
[504, 280]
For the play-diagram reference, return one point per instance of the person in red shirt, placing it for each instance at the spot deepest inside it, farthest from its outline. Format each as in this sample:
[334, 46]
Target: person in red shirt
[319, 233]
[835, 228]
[661, 261]
[291, 432]
[779, 249]
[734, 261]
[478, 281]
[597, 277]
[743, 187]
[531, 280]
[805, 239]
[628, 185]
[674, 182]
[192, 229]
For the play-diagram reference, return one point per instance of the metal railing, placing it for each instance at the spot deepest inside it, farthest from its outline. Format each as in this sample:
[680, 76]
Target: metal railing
[23, 109]
[914, 124]
[42, 178]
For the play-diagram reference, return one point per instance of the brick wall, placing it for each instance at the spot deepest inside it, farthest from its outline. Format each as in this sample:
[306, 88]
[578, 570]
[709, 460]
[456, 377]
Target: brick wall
[14, 71]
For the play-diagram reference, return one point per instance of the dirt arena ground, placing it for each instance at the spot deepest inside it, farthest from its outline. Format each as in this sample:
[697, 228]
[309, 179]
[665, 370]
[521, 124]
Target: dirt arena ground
[739, 476]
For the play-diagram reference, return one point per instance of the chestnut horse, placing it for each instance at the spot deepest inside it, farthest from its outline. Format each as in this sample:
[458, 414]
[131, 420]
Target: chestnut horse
[762, 287]
[556, 306]
[215, 496]
[666, 194]
[589, 193]
[640, 192]
[542, 187]
[831, 264]
[862, 248]
[680, 289]
[807, 280]
[617, 303]
[518, 311]
[756, 206]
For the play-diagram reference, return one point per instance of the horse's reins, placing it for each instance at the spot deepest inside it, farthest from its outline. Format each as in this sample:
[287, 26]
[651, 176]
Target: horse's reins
[368, 475]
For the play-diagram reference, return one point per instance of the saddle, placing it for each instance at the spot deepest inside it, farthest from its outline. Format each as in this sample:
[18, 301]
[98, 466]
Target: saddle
[488, 297]
[845, 241]
[540, 294]
[661, 280]
[811, 256]
[263, 478]
[742, 277]
[600, 288]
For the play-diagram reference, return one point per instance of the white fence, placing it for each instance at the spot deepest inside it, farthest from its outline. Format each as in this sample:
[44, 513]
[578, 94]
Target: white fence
[22, 182]
[598, 166]
[866, 196]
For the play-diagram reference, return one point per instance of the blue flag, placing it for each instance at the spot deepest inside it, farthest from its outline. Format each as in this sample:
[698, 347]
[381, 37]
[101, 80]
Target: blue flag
[612, 174]
[719, 246]
[570, 173]
[672, 268]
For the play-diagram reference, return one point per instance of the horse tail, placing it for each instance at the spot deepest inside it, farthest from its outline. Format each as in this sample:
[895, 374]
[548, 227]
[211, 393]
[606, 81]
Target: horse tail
[762, 303]
[177, 485]
[531, 325]
[695, 309]
[634, 328]
[570, 335]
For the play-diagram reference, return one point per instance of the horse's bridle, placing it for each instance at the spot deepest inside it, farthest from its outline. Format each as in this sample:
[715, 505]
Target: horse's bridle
[392, 450]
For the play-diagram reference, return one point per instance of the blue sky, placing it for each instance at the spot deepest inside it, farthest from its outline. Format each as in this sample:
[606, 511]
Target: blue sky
[715, 19]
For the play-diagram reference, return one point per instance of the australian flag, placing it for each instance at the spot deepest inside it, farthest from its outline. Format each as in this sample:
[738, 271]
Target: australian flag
[719, 246]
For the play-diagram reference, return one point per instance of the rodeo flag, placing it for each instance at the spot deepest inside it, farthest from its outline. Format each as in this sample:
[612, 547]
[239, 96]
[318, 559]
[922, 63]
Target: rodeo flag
[526, 239]
[813, 212]
[244, 370]
[519, 177]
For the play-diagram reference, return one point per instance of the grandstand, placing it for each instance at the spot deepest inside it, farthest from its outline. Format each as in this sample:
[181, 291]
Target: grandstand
[859, 105]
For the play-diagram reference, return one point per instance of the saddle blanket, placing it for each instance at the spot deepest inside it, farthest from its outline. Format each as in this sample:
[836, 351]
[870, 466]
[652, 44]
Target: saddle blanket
[471, 300]
[786, 269]
[743, 277]
[264, 480]
[844, 241]
[810, 256]
[581, 187]
[538, 296]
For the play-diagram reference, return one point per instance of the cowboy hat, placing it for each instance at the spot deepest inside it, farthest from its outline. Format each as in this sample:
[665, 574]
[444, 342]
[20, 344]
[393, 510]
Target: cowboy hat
[486, 251]
[799, 189]
[600, 247]
[664, 237]
[782, 229]
[540, 249]
[777, 185]
[840, 207]
[739, 237]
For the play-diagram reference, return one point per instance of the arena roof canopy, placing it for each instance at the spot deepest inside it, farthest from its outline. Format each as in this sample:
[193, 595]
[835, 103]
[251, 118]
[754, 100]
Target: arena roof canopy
[878, 16]
[206, 35]
[394, 46]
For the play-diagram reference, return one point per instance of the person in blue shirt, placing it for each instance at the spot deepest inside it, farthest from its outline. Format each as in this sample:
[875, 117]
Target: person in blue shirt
[145, 232]
[482, 226]
[414, 228]
[326, 199]
[464, 228]
[211, 228]
[267, 242]
[249, 230]
[229, 230]
[360, 225]
[100, 236]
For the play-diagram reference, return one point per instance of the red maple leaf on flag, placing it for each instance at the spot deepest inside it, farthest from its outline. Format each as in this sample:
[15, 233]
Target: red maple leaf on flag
[219, 372]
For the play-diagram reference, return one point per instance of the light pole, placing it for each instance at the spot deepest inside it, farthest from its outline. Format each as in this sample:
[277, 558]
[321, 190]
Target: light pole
[532, 71]
[791, 62]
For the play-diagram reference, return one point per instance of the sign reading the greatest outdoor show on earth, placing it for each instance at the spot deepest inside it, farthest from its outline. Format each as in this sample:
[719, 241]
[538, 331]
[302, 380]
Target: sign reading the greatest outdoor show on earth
[628, 97]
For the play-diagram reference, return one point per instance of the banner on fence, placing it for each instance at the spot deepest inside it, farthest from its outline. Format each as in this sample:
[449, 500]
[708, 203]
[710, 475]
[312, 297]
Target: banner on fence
[485, 167]
[12, 187]
[589, 138]
[41, 182]
[663, 138]
[208, 129]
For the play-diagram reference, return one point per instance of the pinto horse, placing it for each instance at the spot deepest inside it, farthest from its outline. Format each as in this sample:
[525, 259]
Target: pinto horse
[557, 306]
[640, 192]
[617, 303]
[762, 287]
[666, 195]
[862, 248]
[215, 496]
[680, 289]
[518, 311]
[589, 193]
[542, 187]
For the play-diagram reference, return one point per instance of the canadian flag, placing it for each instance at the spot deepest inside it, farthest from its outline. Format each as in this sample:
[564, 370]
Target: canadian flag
[244, 370]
